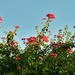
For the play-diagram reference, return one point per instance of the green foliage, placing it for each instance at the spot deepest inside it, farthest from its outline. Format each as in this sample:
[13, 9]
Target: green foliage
[39, 57]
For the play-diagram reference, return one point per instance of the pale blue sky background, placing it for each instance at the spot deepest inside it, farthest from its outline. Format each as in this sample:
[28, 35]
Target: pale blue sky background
[29, 13]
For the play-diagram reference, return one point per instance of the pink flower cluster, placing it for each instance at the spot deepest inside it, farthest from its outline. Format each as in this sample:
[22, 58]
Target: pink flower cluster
[32, 40]
[70, 50]
[13, 44]
[55, 44]
[59, 36]
[53, 55]
[45, 38]
[50, 16]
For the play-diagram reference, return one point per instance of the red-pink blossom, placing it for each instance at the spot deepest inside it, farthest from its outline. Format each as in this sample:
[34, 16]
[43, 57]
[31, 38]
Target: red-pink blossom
[32, 40]
[18, 67]
[70, 50]
[50, 16]
[11, 43]
[16, 26]
[31, 43]
[18, 58]
[43, 18]
[54, 44]
[59, 36]
[0, 19]
[45, 38]
[14, 46]
[53, 55]
[36, 26]
[50, 20]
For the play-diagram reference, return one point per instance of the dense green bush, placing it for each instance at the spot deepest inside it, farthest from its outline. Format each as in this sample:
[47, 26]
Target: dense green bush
[42, 55]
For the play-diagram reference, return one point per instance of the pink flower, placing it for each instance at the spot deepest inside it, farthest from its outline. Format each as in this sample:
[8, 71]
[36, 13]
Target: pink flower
[59, 36]
[31, 43]
[50, 20]
[16, 26]
[0, 19]
[18, 67]
[36, 26]
[32, 40]
[18, 58]
[16, 43]
[50, 16]
[70, 50]
[43, 18]
[45, 38]
[53, 55]
[54, 44]
[14, 46]
[11, 43]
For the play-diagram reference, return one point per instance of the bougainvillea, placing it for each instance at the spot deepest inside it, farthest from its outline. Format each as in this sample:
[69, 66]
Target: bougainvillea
[42, 55]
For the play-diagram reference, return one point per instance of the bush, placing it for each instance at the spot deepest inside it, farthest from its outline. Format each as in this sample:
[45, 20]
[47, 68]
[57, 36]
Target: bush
[42, 55]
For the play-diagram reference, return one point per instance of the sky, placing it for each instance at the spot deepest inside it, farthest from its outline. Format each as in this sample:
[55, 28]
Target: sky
[29, 13]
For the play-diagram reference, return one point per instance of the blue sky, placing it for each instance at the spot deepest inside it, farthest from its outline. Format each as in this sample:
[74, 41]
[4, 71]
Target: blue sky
[29, 13]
